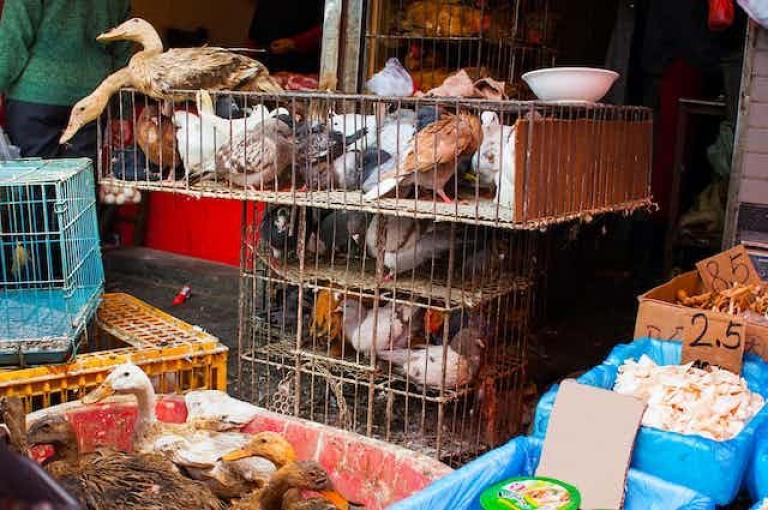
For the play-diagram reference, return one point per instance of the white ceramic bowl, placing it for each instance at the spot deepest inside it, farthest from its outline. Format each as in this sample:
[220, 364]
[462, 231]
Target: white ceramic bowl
[570, 84]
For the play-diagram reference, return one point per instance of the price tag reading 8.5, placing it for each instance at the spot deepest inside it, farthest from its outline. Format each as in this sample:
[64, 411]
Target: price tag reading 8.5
[712, 338]
[723, 270]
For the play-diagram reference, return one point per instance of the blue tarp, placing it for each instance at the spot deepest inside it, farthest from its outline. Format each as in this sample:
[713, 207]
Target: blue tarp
[757, 472]
[756, 506]
[713, 468]
[461, 489]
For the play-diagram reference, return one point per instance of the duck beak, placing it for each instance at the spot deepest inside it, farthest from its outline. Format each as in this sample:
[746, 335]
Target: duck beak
[103, 391]
[242, 453]
[110, 35]
[336, 499]
[68, 134]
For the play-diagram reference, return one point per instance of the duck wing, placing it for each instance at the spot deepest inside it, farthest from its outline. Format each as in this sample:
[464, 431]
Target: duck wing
[198, 69]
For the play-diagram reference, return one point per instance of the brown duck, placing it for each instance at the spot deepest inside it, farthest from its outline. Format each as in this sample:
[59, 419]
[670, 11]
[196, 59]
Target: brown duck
[117, 480]
[172, 75]
[293, 477]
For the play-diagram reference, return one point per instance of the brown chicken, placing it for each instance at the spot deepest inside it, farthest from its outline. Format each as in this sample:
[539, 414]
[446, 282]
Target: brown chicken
[431, 159]
[156, 136]
[437, 17]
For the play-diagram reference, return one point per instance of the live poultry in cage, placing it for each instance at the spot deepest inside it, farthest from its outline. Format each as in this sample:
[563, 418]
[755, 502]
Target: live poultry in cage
[400, 328]
[500, 39]
[498, 163]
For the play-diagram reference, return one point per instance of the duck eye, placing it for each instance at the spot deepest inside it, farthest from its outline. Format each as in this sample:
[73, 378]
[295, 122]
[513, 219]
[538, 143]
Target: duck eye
[126, 374]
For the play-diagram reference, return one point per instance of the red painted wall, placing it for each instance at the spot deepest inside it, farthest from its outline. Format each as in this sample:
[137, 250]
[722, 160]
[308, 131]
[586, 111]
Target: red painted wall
[209, 229]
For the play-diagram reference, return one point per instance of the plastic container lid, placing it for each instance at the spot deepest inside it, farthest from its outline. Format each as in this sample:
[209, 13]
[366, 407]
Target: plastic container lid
[531, 493]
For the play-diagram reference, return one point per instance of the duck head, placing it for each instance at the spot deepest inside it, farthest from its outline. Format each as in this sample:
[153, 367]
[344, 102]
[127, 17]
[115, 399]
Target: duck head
[126, 379]
[85, 111]
[54, 430]
[136, 30]
[309, 476]
[270, 445]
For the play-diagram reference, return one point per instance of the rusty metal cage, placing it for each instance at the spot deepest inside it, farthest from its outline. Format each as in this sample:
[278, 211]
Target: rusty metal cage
[510, 164]
[400, 328]
[501, 39]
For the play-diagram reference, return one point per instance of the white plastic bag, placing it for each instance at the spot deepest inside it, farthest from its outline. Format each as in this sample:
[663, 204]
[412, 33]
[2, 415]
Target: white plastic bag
[757, 10]
[7, 151]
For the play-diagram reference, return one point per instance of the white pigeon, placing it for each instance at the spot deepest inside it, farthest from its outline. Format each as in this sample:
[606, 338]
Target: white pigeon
[455, 364]
[392, 80]
[396, 132]
[494, 161]
[350, 124]
[377, 329]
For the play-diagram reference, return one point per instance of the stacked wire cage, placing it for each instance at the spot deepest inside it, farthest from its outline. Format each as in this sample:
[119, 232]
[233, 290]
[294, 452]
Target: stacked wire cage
[501, 39]
[52, 276]
[390, 245]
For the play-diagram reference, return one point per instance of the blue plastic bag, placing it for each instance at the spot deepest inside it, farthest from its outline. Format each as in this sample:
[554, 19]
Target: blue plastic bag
[461, 489]
[713, 468]
[757, 472]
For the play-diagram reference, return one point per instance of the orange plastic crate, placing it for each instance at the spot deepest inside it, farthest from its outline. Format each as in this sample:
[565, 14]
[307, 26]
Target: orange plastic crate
[177, 356]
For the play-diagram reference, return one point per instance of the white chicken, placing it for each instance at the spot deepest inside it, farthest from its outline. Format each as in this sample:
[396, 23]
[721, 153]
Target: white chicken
[494, 162]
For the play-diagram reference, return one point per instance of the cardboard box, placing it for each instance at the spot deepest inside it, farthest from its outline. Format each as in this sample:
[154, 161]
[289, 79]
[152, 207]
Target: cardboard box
[660, 317]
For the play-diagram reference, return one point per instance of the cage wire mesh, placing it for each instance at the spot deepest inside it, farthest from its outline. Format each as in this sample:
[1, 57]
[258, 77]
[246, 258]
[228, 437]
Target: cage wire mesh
[510, 164]
[501, 39]
[400, 328]
[52, 276]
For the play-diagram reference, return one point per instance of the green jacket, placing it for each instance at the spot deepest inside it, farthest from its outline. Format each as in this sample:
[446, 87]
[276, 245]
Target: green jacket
[48, 48]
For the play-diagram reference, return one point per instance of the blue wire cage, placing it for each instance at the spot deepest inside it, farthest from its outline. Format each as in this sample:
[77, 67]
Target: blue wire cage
[50, 259]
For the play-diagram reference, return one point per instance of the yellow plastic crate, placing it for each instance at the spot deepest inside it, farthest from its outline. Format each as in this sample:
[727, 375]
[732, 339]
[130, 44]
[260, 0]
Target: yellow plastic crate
[177, 356]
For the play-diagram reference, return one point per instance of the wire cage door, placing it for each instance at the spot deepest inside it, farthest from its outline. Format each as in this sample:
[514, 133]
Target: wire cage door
[52, 275]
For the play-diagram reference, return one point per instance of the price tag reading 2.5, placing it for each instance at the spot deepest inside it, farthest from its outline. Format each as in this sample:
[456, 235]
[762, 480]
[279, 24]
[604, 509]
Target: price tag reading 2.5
[723, 270]
[712, 338]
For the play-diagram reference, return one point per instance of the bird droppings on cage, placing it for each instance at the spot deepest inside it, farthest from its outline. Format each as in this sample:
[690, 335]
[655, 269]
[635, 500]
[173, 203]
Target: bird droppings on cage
[497, 163]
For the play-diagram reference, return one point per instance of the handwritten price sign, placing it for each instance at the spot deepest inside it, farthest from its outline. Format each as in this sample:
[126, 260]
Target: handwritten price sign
[723, 270]
[712, 338]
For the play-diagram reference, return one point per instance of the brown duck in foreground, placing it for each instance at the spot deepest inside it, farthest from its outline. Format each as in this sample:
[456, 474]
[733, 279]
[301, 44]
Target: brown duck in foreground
[293, 478]
[117, 480]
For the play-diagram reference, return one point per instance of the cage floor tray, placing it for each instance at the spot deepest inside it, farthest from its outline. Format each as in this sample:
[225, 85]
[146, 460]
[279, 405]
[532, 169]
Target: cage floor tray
[35, 324]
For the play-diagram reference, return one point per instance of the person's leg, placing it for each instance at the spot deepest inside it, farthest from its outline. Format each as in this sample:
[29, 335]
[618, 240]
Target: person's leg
[36, 128]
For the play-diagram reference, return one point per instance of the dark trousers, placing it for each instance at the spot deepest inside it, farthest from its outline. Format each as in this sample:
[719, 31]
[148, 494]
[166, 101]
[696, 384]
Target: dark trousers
[36, 129]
